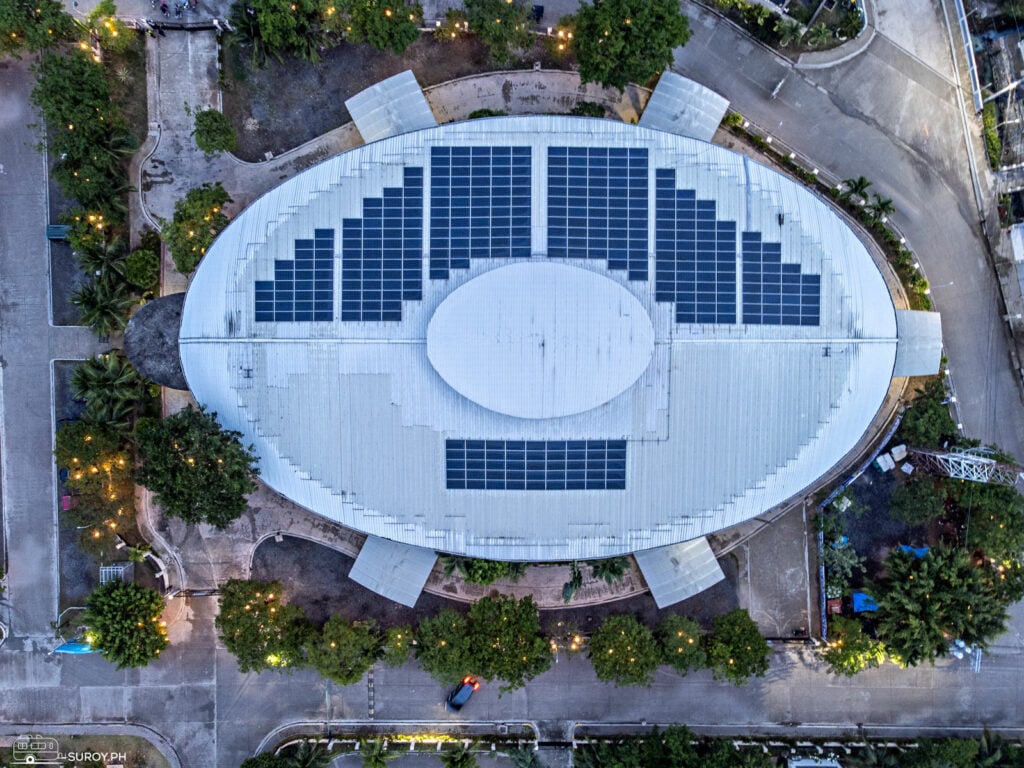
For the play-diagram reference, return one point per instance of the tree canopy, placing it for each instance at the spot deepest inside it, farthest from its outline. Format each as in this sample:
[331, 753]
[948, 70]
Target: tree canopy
[198, 219]
[259, 628]
[681, 643]
[920, 499]
[618, 42]
[345, 650]
[736, 649]
[925, 603]
[198, 471]
[505, 640]
[213, 132]
[442, 646]
[501, 26]
[124, 623]
[623, 651]
[849, 650]
[927, 423]
[33, 25]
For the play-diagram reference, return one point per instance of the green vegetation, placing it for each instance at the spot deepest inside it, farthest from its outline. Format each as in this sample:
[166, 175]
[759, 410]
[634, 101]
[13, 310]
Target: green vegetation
[476, 114]
[501, 26]
[849, 649]
[442, 646]
[33, 25]
[924, 603]
[213, 132]
[124, 623]
[198, 219]
[115, 394]
[267, 760]
[460, 757]
[198, 471]
[384, 24]
[482, 572]
[142, 269]
[993, 144]
[588, 109]
[259, 628]
[681, 643]
[109, 32]
[677, 746]
[736, 650]
[345, 650]
[453, 27]
[927, 423]
[609, 570]
[396, 646]
[104, 305]
[919, 500]
[623, 651]
[618, 42]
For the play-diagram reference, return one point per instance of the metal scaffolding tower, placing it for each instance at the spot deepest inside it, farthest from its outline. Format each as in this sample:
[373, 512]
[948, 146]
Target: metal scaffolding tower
[975, 464]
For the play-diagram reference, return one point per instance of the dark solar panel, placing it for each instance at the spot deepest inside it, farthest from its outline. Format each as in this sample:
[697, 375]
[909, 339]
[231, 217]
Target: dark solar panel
[775, 293]
[302, 288]
[597, 206]
[479, 206]
[550, 465]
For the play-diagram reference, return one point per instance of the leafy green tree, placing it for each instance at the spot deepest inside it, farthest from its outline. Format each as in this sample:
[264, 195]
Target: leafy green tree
[849, 650]
[736, 649]
[680, 641]
[398, 641]
[993, 518]
[618, 42]
[259, 628]
[387, 26]
[266, 760]
[375, 754]
[124, 623]
[280, 28]
[941, 753]
[87, 451]
[840, 561]
[919, 500]
[443, 646]
[33, 25]
[924, 603]
[927, 423]
[610, 570]
[104, 305]
[460, 757]
[623, 651]
[505, 640]
[199, 472]
[213, 132]
[345, 650]
[453, 27]
[477, 571]
[115, 394]
[502, 27]
[111, 33]
[198, 219]
[142, 269]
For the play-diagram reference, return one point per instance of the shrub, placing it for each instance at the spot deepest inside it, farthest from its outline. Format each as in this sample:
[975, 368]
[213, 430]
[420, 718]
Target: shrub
[213, 132]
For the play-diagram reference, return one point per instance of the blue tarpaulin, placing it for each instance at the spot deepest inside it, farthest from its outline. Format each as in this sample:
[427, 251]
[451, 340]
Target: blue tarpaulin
[917, 552]
[74, 648]
[862, 601]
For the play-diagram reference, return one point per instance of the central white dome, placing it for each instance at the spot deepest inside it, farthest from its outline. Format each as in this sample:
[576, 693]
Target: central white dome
[540, 339]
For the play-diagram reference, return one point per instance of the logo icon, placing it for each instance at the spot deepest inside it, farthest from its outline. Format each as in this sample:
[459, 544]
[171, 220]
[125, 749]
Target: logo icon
[35, 750]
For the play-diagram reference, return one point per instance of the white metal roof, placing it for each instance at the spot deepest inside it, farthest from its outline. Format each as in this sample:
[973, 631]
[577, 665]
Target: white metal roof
[679, 571]
[396, 571]
[679, 105]
[920, 349]
[392, 106]
[350, 418]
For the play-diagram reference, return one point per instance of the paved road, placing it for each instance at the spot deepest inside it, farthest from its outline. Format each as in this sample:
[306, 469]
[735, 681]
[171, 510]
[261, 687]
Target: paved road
[28, 344]
[891, 115]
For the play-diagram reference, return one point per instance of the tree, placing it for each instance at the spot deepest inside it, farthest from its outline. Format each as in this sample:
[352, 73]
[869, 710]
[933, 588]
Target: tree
[881, 208]
[505, 640]
[113, 391]
[524, 757]
[259, 628]
[942, 753]
[213, 132]
[477, 571]
[856, 188]
[396, 646]
[927, 423]
[198, 471]
[722, 753]
[89, 451]
[460, 757]
[345, 650]
[124, 623]
[503, 27]
[680, 641]
[443, 646]
[198, 219]
[849, 650]
[266, 760]
[374, 753]
[104, 305]
[387, 26]
[789, 31]
[840, 561]
[33, 25]
[611, 569]
[818, 35]
[623, 651]
[142, 269]
[993, 519]
[622, 41]
[309, 754]
[736, 649]
[280, 27]
[925, 603]
[107, 30]
[919, 500]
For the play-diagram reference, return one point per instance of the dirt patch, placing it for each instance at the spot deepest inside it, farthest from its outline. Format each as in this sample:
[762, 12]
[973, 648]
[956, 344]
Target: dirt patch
[316, 578]
[287, 103]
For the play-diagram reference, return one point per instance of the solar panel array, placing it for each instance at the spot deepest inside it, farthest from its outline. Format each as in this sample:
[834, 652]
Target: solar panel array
[523, 465]
[382, 253]
[479, 205]
[694, 254]
[597, 206]
[775, 293]
[302, 288]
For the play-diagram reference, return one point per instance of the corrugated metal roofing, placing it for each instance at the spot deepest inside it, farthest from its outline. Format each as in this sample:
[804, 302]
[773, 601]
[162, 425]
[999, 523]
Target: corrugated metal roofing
[396, 571]
[350, 419]
[682, 106]
[920, 349]
[391, 107]
[679, 571]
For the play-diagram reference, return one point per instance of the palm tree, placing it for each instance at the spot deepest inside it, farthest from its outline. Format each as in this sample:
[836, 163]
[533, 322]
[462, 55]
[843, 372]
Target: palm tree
[881, 208]
[870, 757]
[856, 188]
[310, 754]
[462, 757]
[104, 304]
[819, 34]
[113, 391]
[611, 569]
[524, 757]
[789, 31]
[375, 754]
[103, 259]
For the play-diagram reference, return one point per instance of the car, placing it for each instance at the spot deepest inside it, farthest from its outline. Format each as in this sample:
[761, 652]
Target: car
[457, 699]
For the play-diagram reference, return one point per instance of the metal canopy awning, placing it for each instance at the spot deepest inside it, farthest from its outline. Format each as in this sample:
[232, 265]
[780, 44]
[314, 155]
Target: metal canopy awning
[396, 571]
[681, 106]
[919, 351]
[679, 571]
[391, 107]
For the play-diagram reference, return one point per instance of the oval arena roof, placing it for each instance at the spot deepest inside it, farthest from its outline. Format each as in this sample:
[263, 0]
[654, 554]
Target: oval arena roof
[540, 338]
